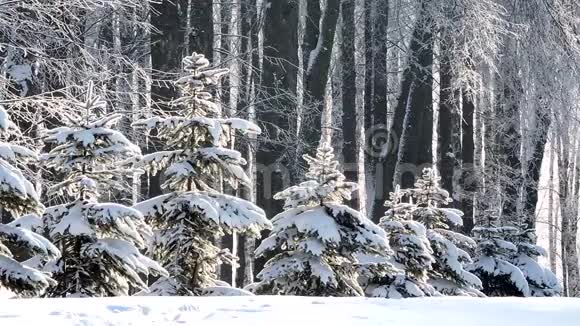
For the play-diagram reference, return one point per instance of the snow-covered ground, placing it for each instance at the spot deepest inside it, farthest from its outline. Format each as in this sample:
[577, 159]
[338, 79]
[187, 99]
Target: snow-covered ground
[299, 311]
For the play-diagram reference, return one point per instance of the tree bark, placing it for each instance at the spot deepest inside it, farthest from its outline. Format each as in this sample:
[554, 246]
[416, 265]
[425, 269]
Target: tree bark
[448, 124]
[468, 179]
[317, 69]
[377, 98]
[509, 140]
[200, 33]
[349, 148]
[569, 222]
[413, 118]
[552, 217]
[534, 164]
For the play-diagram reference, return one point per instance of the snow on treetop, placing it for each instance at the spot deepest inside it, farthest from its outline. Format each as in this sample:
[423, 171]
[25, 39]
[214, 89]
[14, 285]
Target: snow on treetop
[427, 189]
[194, 62]
[200, 76]
[90, 137]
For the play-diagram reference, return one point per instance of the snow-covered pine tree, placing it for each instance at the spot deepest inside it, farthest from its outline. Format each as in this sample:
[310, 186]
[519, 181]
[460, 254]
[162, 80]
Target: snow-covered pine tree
[18, 196]
[194, 213]
[448, 275]
[99, 241]
[318, 243]
[412, 253]
[492, 262]
[541, 280]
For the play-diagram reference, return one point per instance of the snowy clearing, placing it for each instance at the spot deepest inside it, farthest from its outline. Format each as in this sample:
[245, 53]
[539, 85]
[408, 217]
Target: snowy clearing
[269, 310]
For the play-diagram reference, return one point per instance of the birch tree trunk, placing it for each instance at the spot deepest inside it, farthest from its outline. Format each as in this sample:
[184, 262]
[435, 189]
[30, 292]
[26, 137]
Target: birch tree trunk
[235, 85]
[360, 70]
[568, 226]
[254, 33]
[552, 217]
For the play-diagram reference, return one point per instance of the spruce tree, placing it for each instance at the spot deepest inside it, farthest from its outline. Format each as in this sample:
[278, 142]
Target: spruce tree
[412, 253]
[194, 211]
[99, 241]
[448, 275]
[492, 261]
[541, 280]
[320, 246]
[18, 196]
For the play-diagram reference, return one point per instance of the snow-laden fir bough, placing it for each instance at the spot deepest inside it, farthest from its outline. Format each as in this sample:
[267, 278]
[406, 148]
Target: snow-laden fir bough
[320, 246]
[100, 242]
[18, 196]
[194, 212]
[492, 261]
[541, 280]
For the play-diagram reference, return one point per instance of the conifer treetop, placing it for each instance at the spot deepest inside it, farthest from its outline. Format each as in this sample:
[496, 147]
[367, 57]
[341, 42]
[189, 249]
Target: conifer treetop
[196, 135]
[87, 142]
[325, 183]
[428, 191]
[430, 200]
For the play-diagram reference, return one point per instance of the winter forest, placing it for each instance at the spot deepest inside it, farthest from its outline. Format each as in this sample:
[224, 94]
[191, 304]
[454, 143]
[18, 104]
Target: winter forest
[328, 148]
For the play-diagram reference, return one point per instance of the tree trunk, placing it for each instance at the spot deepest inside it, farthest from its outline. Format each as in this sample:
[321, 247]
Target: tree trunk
[468, 179]
[199, 36]
[317, 69]
[534, 164]
[349, 148]
[253, 28]
[275, 99]
[569, 222]
[509, 140]
[413, 121]
[552, 217]
[448, 124]
[360, 67]
[377, 93]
